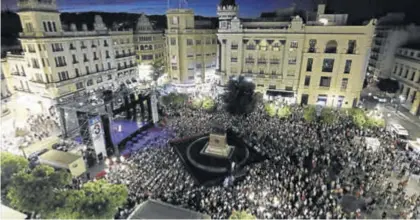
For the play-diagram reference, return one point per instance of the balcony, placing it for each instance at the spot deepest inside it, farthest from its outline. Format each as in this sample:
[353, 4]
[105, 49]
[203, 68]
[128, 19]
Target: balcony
[234, 47]
[275, 61]
[58, 50]
[91, 75]
[22, 90]
[324, 87]
[250, 47]
[249, 61]
[124, 55]
[262, 61]
[31, 51]
[126, 67]
[330, 50]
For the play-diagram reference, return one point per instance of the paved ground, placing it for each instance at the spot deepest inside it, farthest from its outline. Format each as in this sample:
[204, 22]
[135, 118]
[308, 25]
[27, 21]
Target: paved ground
[391, 115]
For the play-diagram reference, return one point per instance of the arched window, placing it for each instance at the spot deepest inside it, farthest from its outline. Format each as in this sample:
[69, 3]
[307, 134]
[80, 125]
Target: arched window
[331, 47]
[49, 27]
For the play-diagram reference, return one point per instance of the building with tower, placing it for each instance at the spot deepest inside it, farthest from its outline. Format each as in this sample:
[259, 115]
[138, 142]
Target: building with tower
[319, 61]
[58, 64]
[191, 48]
[150, 46]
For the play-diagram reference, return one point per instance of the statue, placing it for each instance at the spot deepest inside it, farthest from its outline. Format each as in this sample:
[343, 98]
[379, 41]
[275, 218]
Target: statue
[217, 145]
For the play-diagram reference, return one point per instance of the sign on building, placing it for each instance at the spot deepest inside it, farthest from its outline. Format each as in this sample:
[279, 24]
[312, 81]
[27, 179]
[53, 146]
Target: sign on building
[97, 135]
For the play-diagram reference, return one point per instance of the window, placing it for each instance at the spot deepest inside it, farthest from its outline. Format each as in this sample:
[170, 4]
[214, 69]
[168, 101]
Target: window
[198, 66]
[328, 65]
[351, 47]
[413, 75]
[312, 45]
[234, 47]
[77, 72]
[109, 76]
[344, 83]
[63, 75]
[174, 67]
[331, 47]
[271, 86]
[395, 69]
[175, 20]
[94, 56]
[292, 60]
[234, 59]
[72, 46]
[213, 41]
[74, 59]
[97, 67]
[55, 28]
[79, 85]
[347, 67]
[85, 59]
[208, 41]
[83, 44]
[289, 88]
[49, 27]
[294, 44]
[406, 73]
[87, 70]
[190, 42]
[190, 77]
[325, 81]
[250, 47]
[99, 80]
[198, 42]
[89, 82]
[60, 61]
[307, 80]
[45, 26]
[109, 65]
[309, 65]
[262, 72]
[401, 69]
[173, 41]
[43, 62]
[39, 47]
[29, 27]
[57, 47]
[107, 54]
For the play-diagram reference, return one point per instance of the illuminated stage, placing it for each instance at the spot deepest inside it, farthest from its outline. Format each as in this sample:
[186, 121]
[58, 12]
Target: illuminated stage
[127, 127]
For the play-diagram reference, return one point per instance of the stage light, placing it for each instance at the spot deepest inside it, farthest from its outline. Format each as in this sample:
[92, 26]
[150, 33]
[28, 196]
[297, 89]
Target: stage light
[114, 159]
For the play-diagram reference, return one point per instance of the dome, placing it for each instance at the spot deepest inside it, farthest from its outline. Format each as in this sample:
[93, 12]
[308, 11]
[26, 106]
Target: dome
[143, 23]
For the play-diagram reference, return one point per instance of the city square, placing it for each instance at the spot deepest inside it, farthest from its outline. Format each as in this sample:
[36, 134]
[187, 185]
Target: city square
[193, 121]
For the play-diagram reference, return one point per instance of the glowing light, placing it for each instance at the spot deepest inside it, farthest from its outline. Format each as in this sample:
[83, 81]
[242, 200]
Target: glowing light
[122, 158]
[107, 162]
[370, 94]
[114, 159]
[324, 21]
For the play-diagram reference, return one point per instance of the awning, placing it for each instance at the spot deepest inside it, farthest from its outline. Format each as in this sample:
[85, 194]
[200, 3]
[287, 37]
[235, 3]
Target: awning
[280, 93]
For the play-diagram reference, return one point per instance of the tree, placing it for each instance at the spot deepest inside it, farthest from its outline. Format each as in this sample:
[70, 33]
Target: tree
[158, 70]
[101, 199]
[284, 111]
[241, 215]
[270, 109]
[10, 165]
[37, 190]
[328, 116]
[309, 114]
[240, 97]
[388, 85]
[208, 104]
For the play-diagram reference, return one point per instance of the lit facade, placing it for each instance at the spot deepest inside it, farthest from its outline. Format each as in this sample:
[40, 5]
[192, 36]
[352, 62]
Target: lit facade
[320, 62]
[58, 64]
[390, 34]
[150, 47]
[406, 69]
[191, 49]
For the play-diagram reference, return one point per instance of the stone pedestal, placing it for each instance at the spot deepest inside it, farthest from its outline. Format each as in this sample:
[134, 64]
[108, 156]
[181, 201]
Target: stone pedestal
[218, 147]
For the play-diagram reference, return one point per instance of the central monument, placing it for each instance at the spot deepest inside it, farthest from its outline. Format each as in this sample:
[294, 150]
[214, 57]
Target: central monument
[217, 145]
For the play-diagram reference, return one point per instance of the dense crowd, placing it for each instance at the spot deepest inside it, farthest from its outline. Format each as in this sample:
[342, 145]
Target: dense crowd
[37, 128]
[313, 170]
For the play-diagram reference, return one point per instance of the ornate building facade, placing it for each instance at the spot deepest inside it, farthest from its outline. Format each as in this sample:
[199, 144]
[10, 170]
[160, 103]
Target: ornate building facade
[150, 46]
[321, 61]
[406, 70]
[57, 64]
[191, 49]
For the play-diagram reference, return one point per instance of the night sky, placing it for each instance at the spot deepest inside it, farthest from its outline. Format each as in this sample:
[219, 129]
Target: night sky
[248, 8]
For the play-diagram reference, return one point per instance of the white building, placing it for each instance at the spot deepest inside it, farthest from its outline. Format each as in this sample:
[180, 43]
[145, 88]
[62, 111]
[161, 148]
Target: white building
[57, 63]
[390, 34]
[406, 69]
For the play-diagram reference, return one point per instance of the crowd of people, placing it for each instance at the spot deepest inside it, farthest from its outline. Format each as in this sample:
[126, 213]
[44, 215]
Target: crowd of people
[37, 128]
[313, 170]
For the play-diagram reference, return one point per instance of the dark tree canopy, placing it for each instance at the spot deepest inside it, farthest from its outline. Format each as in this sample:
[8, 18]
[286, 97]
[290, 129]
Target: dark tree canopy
[388, 85]
[240, 97]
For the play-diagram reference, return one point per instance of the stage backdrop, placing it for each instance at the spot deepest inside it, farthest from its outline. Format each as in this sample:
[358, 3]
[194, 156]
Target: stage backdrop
[97, 135]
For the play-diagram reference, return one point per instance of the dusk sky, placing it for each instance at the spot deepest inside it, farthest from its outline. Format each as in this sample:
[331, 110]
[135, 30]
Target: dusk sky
[248, 8]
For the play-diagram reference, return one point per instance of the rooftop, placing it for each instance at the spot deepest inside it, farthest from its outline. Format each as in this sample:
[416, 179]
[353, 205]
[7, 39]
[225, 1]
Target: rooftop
[60, 156]
[152, 209]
